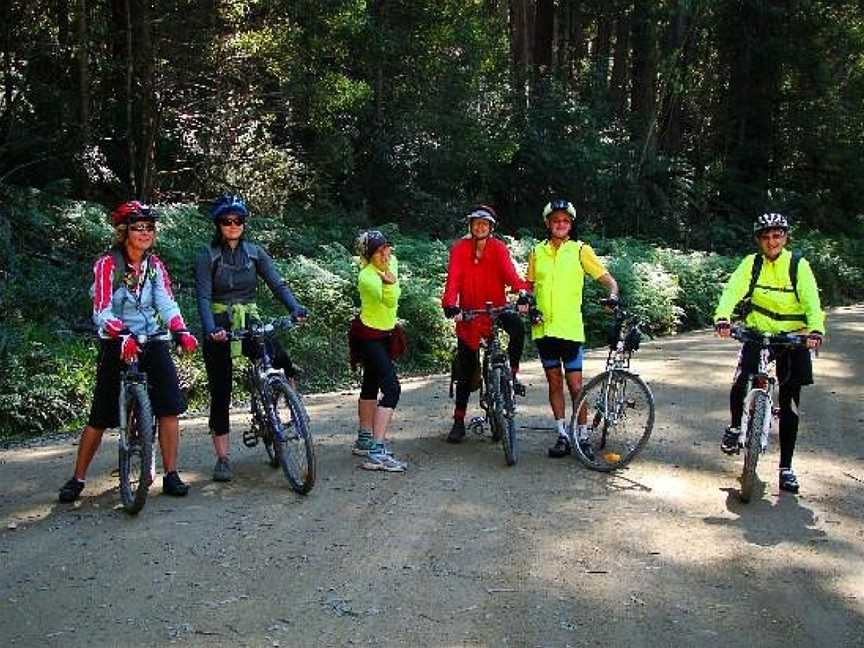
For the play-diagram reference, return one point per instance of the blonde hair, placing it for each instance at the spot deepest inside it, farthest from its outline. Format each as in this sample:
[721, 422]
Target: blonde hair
[121, 233]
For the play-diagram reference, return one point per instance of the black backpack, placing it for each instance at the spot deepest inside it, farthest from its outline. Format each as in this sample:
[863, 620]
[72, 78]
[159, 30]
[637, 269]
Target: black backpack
[742, 310]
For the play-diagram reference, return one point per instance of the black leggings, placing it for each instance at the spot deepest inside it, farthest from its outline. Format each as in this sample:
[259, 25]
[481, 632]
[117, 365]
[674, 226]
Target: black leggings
[220, 369]
[469, 359]
[794, 369]
[379, 373]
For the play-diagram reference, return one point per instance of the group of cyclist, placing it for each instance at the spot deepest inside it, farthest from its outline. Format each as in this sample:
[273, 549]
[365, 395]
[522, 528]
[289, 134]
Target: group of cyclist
[132, 296]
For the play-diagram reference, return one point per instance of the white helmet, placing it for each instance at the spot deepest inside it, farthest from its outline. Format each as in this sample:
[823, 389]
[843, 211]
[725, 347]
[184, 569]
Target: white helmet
[558, 205]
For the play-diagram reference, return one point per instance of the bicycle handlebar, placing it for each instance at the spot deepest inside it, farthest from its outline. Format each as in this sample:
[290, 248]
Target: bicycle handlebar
[278, 324]
[744, 334]
[492, 311]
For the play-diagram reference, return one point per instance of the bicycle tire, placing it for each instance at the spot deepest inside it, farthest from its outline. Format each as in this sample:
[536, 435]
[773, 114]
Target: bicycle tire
[293, 448]
[621, 410]
[503, 426]
[262, 429]
[136, 450]
[753, 445]
[508, 437]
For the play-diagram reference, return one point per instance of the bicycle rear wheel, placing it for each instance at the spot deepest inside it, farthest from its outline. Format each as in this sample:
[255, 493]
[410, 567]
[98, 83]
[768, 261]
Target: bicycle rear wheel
[618, 409]
[292, 439]
[753, 445]
[503, 415]
[136, 450]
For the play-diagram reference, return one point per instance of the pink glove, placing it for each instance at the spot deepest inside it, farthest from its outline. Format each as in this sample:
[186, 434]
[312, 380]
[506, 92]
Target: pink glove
[128, 348]
[187, 341]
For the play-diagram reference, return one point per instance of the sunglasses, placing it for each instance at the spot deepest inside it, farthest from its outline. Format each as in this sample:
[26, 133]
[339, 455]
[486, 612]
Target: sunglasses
[143, 227]
[232, 221]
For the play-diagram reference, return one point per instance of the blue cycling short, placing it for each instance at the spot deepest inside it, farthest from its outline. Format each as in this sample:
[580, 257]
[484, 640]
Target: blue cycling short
[555, 352]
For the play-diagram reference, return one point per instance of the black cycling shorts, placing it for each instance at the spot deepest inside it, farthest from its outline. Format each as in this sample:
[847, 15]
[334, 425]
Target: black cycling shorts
[794, 365]
[162, 383]
[555, 352]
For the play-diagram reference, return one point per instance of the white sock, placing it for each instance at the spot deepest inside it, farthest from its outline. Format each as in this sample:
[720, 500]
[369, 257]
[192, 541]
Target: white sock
[562, 427]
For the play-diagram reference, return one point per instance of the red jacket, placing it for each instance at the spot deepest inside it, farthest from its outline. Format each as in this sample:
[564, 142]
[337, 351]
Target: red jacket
[471, 282]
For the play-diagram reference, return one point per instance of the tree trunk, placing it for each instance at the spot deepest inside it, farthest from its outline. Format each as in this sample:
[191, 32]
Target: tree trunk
[677, 52]
[644, 78]
[521, 45]
[618, 85]
[83, 61]
[146, 108]
[600, 57]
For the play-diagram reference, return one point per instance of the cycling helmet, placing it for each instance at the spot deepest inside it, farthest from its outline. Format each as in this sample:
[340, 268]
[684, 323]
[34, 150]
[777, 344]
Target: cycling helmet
[130, 212]
[559, 204]
[483, 212]
[770, 221]
[369, 242]
[229, 204]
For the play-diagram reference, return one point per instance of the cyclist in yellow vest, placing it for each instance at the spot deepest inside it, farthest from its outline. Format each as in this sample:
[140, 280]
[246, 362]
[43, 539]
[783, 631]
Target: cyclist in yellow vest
[556, 270]
[777, 306]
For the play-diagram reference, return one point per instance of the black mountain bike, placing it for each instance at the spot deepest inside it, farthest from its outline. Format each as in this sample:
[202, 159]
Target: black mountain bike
[496, 387]
[759, 400]
[616, 405]
[279, 419]
[138, 429]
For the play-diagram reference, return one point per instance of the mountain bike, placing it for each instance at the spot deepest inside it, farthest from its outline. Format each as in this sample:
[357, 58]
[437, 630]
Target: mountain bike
[279, 419]
[617, 405]
[138, 429]
[496, 386]
[760, 395]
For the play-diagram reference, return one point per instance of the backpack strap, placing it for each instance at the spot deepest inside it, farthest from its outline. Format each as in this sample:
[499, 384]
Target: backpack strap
[754, 276]
[793, 271]
[119, 271]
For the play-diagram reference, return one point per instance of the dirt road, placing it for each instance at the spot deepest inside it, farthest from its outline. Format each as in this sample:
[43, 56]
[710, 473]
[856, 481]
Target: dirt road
[461, 550]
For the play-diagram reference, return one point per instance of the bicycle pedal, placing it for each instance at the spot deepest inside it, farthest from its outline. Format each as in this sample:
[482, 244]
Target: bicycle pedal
[250, 438]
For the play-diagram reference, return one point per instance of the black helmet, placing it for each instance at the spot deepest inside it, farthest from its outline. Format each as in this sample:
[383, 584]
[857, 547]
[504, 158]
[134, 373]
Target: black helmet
[770, 221]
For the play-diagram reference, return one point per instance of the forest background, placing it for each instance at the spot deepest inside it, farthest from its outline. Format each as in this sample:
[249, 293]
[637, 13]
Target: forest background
[669, 124]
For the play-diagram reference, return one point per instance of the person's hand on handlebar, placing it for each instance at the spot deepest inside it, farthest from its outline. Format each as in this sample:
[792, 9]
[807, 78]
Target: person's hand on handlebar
[814, 340]
[219, 335]
[610, 303]
[453, 312]
[723, 328]
[523, 303]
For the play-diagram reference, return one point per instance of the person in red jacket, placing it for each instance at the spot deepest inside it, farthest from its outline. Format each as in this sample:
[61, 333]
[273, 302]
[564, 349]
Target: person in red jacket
[479, 270]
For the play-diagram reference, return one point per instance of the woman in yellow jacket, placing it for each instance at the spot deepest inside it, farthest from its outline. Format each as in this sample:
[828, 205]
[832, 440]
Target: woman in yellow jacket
[375, 341]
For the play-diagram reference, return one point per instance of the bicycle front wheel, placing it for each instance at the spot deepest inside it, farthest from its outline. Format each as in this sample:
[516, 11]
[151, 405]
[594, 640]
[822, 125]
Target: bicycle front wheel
[136, 450]
[292, 439]
[504, 414]
[753, 444]
[616, 409]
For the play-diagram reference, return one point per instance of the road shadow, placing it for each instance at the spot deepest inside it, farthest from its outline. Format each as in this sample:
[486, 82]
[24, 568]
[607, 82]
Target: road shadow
[768, 523]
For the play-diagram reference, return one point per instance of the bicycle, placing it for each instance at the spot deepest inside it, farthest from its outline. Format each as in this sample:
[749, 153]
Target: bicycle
[496, 385]
[279, 419]
[759, 410]
[618, 402]
[138, 429]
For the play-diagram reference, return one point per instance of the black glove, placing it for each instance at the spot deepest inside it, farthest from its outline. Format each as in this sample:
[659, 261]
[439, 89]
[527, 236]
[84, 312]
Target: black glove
[524, 299]
[535, 315]
[299, 313]
[611, 301]
[451, 311]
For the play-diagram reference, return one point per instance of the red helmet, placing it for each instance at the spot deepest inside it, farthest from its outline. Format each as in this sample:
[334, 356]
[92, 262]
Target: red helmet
[131, 211]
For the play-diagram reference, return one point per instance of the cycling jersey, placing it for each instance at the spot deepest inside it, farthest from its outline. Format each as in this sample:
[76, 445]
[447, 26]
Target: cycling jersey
[558, 276]
[775, 309]
[143, 301]
[233, 279]
[378, 300]
[472, 281]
